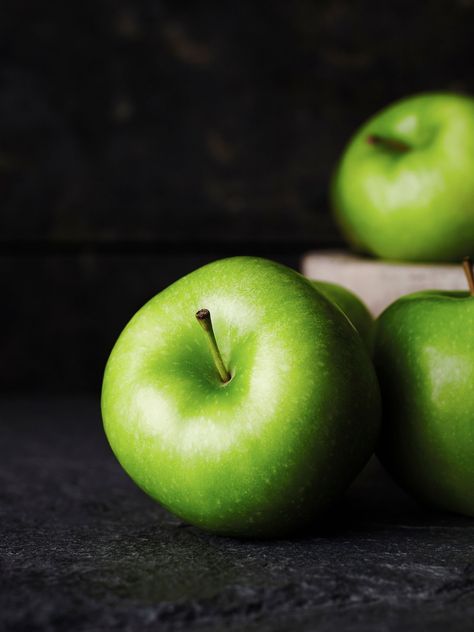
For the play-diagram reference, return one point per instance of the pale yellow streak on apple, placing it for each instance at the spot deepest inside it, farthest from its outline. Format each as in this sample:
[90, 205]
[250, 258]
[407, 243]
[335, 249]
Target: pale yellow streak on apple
[201, 435]
[407, 125]
[447, 372]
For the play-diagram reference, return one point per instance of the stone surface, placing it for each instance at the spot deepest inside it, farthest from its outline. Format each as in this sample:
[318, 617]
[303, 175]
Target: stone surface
[377, 282]
[83, 550]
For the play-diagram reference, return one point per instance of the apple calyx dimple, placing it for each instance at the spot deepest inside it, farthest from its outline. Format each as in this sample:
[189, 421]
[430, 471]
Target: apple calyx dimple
[469, 272]
[391, 144]
[204, 319]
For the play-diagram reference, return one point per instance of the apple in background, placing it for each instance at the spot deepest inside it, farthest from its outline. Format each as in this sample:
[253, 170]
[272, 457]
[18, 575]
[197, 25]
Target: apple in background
[352, 306]
[253, 424]
[424, 355]
[404, 187]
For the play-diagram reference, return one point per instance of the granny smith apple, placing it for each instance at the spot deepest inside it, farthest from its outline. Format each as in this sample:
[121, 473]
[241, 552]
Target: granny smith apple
[404, 188]
[424, 355]
[352, 306]
[252, 423]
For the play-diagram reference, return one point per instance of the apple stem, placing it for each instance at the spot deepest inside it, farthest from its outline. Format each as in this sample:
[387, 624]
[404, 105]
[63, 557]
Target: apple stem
[204, 319]
[469, 272]
[388, 143]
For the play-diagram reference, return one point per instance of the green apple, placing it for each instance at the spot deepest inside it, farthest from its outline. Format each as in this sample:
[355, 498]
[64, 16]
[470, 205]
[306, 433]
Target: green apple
[351, 305]
[424, 355]
[404, 188]
[249, 427]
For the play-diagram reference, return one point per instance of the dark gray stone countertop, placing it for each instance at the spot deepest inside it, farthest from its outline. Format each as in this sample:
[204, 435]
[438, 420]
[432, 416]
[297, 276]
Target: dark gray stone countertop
[82, 549]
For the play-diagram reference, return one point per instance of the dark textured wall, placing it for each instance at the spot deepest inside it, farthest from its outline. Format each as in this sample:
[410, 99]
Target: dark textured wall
[141, 139]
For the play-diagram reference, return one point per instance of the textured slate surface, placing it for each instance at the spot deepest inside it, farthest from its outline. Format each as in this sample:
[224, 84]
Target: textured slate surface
[83, 550]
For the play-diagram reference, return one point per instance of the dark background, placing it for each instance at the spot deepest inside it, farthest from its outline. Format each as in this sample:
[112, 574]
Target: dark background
[139, 140]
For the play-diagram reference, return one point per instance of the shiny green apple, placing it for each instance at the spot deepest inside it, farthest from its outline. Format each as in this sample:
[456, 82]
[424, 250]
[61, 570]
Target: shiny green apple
[352, 306]
[251, 427]
[424, 355]
[404, 188]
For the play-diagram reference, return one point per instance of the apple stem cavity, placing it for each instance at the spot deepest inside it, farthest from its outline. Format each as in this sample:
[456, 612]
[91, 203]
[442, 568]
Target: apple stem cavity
[204, 319]
[469, 272]
[391, 144]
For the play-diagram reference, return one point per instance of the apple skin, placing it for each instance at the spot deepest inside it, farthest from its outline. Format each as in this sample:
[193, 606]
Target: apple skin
[424, 356]
[263, 454]
[415, 205]
[352, 306]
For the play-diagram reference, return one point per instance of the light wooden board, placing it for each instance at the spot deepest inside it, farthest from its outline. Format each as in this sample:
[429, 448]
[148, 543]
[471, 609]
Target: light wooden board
[379, 283]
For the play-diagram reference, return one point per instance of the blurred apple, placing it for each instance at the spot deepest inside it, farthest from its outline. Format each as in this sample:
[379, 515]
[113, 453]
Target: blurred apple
[404, 187]
[352, 306]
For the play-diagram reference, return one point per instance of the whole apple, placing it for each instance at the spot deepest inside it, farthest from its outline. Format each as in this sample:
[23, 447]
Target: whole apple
[424, 355]
[256, 422]
[352, 306]
[404, 189]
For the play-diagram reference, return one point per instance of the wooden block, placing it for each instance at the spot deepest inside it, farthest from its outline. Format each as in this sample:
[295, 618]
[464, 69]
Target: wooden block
[379, 283]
